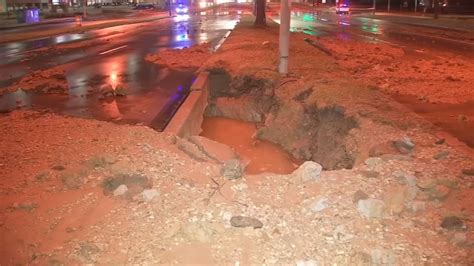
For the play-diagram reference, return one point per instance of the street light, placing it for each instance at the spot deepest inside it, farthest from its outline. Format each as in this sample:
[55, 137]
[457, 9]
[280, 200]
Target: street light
[374, 5]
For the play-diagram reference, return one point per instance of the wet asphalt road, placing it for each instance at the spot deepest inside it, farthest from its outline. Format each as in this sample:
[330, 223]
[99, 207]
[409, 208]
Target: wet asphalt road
[112, 56]
[362, 27]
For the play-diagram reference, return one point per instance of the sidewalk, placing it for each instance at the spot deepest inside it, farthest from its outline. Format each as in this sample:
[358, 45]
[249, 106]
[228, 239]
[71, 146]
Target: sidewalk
[85, 26]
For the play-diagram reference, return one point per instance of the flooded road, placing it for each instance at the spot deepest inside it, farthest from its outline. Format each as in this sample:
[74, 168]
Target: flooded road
[263, 156]
[111, 56]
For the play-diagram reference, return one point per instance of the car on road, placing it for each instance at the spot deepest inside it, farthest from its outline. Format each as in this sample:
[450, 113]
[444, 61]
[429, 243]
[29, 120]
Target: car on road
[343, 7]
[181, 9]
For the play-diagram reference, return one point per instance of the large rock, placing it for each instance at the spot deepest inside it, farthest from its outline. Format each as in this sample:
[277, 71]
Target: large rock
[120, 190]
[214, 150]
[244, 221]
[371, 208]
[404, 145]
[308, 171]
[319, 205]
[232, 169]
[453, 223]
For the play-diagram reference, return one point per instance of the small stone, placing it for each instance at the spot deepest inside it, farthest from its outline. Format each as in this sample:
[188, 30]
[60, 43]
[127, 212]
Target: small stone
[150, 194]
[404, 145]
[26, 206]
[309, 170]
[232, 169]
[359, 195]
[440, 141]
[369, 173]
[107, 90]
[58, 168]
[453, 223]
[441, 155]
[72, 180]
[439, 192]
[374, 163]
[459, 238]
[71, 229]
[120, 190]
[417, 206]
[341, 234]
[468, 171]
[243, 221]
[426, 184]
[319, 205]
[306, 263]
[371, 208]
[121, 91]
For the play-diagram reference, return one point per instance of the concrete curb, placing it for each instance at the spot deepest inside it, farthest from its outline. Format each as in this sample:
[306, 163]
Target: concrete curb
[188, 119]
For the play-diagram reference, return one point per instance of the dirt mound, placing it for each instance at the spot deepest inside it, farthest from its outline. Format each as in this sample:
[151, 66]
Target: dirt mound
[445, 79]
[192, 57]
[44, 81]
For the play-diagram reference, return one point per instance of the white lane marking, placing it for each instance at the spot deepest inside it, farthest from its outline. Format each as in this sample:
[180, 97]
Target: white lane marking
[113, 49]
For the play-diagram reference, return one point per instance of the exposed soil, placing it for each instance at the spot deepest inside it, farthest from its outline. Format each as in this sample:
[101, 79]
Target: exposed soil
[443, 78]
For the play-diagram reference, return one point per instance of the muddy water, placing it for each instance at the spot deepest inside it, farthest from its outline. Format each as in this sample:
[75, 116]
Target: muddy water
[456, 119]
[263, 156]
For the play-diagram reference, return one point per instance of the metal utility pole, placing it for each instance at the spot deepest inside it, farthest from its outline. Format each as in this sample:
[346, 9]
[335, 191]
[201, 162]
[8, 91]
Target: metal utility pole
[284, 36]
[374, 5]
[416, 5]
[388, 6]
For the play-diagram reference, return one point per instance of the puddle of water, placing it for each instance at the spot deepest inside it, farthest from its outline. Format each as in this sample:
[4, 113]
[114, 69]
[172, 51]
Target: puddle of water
[154, 94]
[263, 156]
[456, 119]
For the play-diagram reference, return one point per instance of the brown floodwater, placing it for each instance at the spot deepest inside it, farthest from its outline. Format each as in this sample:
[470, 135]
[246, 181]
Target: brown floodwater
[263, 156]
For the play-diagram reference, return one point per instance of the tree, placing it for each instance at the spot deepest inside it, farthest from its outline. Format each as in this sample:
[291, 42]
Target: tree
[260, 19]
